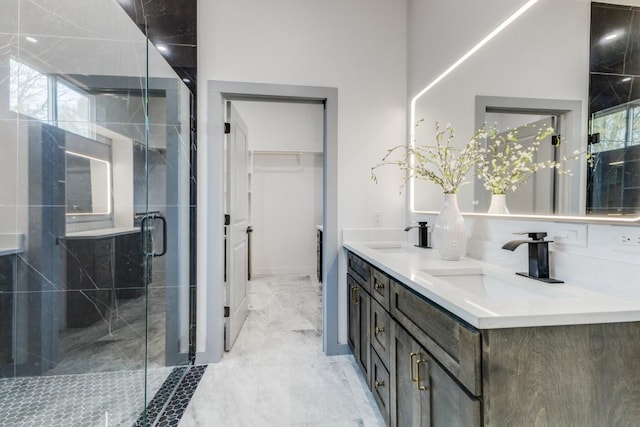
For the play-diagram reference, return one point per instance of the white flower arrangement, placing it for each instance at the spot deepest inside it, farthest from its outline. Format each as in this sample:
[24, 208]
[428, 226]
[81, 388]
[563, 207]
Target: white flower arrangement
[441, 164]
[505, 163]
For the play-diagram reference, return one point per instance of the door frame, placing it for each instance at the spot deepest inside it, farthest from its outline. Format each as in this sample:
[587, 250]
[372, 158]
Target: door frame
[211, 209]
[571, 113]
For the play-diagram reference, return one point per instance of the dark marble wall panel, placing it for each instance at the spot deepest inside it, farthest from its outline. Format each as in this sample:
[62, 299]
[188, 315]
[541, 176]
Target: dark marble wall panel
[608, 54]
[173, 24]
[609, 90]
[614, 183]
[615, 56]
[6, 310]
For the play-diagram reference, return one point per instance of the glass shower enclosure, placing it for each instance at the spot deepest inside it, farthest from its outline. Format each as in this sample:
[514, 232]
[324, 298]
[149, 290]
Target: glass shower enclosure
[94, 218]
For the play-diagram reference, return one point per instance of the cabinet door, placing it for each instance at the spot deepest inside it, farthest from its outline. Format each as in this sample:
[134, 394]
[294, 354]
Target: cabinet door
[380, 331]
[425, 393]
[410, 404]
[380, 385]
[359, 321]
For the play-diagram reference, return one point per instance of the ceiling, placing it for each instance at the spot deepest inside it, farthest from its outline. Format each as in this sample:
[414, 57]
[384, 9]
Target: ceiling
[172, 24]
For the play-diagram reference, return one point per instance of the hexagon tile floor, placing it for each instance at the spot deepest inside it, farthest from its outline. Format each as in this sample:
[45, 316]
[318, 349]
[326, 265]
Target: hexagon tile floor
[98, 399]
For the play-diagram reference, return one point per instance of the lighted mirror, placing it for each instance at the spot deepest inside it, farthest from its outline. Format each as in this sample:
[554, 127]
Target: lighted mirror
[88, 185]
[579, 79]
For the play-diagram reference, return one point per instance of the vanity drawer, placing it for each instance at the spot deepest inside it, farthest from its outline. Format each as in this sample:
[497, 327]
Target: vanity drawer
[381, 332]
[381, 386]
[103, 270]
[380, 288]
[103, 247]
[360, 270]
[456, 345]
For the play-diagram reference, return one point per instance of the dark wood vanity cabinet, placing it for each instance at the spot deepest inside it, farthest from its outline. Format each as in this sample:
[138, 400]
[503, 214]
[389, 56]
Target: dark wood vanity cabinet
[89, 280]
[430, 368]
[129, 272]
[359, 319]
[409, 385]
[99, 269]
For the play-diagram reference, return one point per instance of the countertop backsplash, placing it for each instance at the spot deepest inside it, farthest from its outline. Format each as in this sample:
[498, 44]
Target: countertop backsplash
[590, 255]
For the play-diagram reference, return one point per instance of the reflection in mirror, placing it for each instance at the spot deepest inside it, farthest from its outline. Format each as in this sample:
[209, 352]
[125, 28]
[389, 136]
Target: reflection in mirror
[522, 74]
[533, 196]
[88, 185]
[613, 187]
[520, 60]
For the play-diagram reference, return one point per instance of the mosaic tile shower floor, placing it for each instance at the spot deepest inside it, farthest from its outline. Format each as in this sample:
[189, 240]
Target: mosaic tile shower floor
[94, 399]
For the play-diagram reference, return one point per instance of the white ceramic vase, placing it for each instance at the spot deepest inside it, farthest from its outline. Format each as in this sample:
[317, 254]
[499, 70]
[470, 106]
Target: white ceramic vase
[449, 236]
[498, 205]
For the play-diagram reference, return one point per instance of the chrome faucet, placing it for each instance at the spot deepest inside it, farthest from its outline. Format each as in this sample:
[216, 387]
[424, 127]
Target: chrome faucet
[538, 256]
[424, 234]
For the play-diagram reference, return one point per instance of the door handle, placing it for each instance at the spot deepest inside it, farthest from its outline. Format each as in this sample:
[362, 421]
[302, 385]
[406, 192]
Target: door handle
[411, 356]
[143, 229]
[354, 295]
[418, 363]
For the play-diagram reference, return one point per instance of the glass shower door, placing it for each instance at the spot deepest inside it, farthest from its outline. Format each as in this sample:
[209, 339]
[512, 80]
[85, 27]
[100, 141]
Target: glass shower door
[93, 326]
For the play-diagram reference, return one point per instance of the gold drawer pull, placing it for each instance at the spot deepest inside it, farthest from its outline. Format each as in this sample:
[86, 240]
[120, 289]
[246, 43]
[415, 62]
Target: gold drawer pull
[411, 356]
[354, 295]
[379, 384]
[418, 363]
[379, 329]
[378, 287]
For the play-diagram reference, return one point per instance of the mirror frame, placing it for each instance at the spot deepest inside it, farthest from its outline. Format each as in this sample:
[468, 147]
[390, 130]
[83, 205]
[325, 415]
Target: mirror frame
[549, 218]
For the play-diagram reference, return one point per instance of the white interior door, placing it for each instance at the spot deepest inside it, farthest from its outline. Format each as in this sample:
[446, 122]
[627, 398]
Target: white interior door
[238, 211]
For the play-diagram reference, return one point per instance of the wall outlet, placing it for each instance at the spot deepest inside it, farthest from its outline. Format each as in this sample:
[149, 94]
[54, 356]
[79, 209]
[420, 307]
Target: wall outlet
[628, 239]
[377, 219]
[573, 235]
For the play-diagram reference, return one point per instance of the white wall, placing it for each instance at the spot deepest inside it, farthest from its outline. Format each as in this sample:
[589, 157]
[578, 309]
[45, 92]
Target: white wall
[282, 126]
[285, 141]
[286, 206]
[359, 47]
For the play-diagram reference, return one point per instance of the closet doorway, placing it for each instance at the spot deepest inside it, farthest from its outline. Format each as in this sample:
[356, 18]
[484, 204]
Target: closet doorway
[279, 161]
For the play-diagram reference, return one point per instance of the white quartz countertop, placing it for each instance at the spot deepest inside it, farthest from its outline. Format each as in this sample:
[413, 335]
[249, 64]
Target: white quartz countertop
[515, 301]
[102, 232]
[11, 244]
[10, 251]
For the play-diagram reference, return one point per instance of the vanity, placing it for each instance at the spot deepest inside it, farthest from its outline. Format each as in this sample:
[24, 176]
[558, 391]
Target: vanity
[102, 265]
[465, 343]
[10, 247]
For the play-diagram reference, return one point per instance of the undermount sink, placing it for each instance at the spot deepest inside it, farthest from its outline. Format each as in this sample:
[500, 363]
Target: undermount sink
[386, 247]
[488, 284]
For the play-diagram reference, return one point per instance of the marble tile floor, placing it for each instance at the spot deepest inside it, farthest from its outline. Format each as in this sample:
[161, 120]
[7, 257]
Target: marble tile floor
[276, 373]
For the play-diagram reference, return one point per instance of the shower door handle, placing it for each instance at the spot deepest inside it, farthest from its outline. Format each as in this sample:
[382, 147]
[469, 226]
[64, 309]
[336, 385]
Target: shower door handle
[143, 224]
